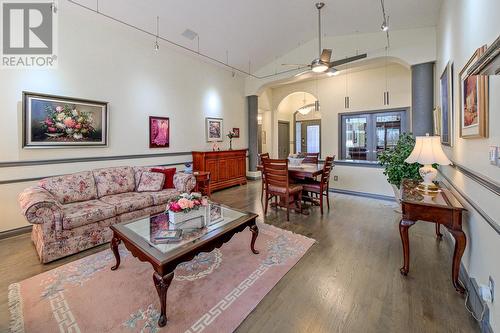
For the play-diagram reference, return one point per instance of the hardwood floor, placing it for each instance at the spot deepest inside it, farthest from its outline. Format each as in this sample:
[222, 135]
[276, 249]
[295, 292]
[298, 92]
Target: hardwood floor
[348, 282]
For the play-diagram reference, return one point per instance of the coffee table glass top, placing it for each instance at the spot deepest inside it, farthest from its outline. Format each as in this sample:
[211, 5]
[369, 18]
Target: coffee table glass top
[217, 217]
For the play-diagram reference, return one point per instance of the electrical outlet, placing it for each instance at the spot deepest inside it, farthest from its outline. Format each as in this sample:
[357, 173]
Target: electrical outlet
[335, 178]
[491, 284]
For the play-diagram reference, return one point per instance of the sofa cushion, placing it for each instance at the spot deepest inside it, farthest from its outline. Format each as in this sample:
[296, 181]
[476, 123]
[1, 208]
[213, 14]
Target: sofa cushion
[138, 170]
[114, 180]
[81, 213]
[169, 176]
[128, 202]
[150, 182]
[162, 197]
[71, 188]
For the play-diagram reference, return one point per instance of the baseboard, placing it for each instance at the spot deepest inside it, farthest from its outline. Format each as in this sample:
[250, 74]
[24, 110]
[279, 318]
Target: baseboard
[253, 175]
[15, 232]
[475, 303]
[363, 194]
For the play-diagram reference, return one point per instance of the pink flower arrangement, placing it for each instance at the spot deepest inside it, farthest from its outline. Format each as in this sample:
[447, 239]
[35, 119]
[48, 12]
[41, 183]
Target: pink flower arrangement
[68, 122]
[186, 202]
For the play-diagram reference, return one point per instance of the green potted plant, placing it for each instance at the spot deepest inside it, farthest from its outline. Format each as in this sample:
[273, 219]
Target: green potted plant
[393, 160]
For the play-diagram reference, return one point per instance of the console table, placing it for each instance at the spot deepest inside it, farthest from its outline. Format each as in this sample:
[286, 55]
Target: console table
[441, 208]
[227, 167]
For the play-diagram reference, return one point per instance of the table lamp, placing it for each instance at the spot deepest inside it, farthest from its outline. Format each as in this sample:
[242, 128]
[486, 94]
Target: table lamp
[428, 151]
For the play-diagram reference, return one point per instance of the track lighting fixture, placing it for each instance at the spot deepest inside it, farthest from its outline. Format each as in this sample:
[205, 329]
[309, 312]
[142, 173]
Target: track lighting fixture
[156, 45]
[385, 23]
[384, 26]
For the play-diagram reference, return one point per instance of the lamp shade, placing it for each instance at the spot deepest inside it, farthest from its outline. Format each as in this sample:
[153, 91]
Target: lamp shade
[428, 150]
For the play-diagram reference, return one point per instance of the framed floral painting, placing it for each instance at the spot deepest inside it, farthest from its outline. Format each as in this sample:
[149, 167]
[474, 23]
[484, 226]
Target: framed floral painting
[159, 132]
[236, 131]
[56, 122]
[214, 129]
[473, 99]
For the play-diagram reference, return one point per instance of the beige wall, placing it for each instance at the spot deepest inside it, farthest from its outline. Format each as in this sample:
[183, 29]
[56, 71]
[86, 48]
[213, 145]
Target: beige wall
[365, 89]
[102, 60]
[465, 25]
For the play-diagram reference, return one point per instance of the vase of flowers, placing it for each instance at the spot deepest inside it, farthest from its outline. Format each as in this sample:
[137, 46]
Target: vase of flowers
[186, 207]
[67, 122]
[231, 135]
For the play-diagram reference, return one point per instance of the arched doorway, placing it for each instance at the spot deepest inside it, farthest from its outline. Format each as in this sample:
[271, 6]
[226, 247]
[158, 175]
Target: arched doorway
[298, 125]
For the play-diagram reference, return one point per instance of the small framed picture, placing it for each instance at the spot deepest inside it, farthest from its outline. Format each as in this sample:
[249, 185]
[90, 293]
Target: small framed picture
[236, 131]
[473, 91]
[59, 122]
[446, 115]
[159, 132]
[215, 214]
[214, 129]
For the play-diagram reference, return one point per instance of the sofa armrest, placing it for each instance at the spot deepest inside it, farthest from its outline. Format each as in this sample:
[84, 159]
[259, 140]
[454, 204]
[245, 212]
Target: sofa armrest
[184, 182]
[39, 206]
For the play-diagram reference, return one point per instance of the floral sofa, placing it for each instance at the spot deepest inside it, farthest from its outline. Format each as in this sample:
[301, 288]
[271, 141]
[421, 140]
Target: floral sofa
[71, 213]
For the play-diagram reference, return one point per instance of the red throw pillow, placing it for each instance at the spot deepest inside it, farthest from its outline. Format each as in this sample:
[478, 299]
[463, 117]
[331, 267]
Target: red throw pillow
[169, 176]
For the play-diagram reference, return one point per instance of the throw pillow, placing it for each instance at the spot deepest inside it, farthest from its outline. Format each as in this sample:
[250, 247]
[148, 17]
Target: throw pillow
[151, 182]
[169, 176]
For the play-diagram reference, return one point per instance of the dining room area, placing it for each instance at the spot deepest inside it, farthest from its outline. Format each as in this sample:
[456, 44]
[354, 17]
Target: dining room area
[297, 183]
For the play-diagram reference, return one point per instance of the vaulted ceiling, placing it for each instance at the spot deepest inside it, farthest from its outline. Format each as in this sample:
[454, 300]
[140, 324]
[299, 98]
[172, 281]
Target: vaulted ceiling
[257, 31]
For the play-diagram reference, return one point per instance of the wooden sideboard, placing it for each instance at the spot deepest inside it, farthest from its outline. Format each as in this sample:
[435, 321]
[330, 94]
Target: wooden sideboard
[227, 167]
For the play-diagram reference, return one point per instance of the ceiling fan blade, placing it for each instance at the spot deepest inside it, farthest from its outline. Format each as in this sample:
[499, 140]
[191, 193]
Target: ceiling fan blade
[347, 60]
[295, 65]
[326, 55]
[302, 73]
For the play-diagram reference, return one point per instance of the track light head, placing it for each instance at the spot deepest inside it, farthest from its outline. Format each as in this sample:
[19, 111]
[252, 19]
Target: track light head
[156, 46]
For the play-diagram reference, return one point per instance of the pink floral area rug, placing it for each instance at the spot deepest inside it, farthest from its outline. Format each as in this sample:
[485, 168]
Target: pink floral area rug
[214, 292]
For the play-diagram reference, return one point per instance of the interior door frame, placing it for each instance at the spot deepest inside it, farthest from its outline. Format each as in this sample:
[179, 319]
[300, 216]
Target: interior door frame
[288, 124]
[295, 131]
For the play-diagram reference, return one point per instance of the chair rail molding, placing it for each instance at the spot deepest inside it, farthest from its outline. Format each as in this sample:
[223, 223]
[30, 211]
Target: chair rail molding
[14, 164]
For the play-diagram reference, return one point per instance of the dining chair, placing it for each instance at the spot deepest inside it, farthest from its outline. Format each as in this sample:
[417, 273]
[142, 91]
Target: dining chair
[278, 185]
[261, 157]
[312, 158]
[320, 188]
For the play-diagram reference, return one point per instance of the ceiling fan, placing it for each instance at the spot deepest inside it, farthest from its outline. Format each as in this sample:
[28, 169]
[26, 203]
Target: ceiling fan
[322, 64]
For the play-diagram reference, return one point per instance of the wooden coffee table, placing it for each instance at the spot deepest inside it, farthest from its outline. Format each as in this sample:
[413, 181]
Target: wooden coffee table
[164, 258]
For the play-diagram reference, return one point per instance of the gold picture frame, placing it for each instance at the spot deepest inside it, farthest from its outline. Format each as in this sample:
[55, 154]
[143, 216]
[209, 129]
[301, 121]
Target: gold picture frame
[473, 99]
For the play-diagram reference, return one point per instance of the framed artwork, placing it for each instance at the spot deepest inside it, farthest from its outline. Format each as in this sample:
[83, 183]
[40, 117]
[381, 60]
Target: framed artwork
[159, 132]
[436, 113]
[236, 132]
[57, 122]
[473, 99]
[446, 117]
[215, 214]
[214, 129]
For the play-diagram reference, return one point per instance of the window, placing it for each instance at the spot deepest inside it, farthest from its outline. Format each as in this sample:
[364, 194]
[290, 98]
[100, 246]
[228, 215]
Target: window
[365, 135]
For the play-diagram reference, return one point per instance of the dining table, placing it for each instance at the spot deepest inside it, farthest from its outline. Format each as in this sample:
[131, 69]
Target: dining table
[305, 170]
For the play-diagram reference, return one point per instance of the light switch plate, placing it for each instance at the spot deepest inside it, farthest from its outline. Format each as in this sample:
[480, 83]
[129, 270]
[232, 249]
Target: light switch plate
[494, 155]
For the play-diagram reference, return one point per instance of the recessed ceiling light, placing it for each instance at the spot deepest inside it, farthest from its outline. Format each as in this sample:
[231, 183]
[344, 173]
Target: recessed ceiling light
[189, 34]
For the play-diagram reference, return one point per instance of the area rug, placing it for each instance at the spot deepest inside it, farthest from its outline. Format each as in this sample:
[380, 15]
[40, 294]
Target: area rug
[214, 292]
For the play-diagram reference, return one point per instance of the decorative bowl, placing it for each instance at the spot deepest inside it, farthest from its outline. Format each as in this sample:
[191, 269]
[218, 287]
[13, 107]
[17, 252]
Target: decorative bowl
[295, 161]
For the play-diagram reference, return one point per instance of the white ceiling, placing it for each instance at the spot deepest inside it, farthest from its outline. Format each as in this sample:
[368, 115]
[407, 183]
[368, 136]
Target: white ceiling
[261, 30]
